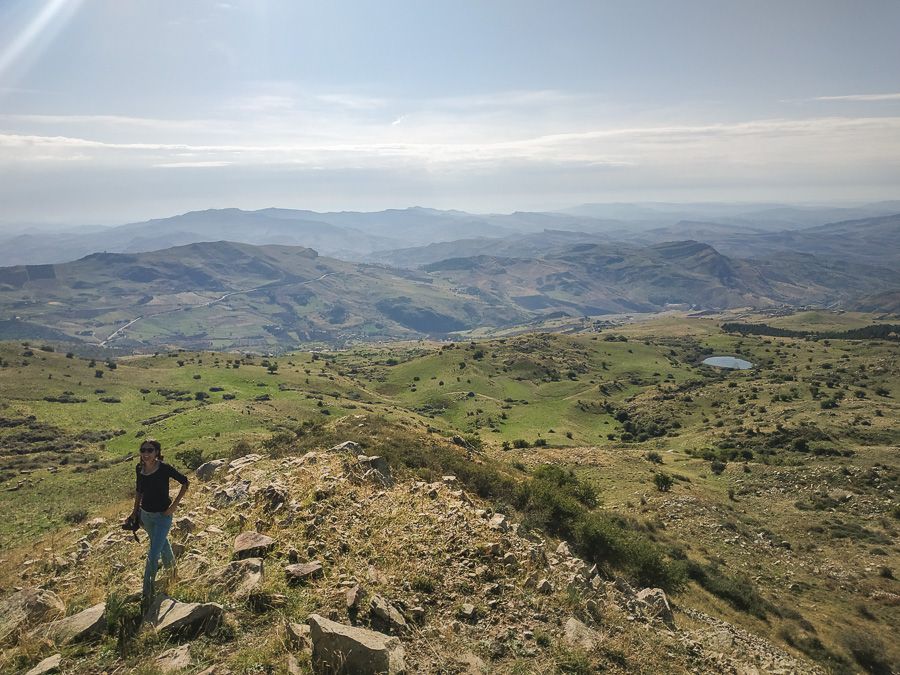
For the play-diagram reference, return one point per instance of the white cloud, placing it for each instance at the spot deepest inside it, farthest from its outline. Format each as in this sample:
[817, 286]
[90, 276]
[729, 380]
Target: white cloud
[860, 97]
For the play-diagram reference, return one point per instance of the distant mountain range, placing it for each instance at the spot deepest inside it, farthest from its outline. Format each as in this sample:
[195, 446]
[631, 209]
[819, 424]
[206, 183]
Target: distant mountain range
[226, 295]
[739, 230]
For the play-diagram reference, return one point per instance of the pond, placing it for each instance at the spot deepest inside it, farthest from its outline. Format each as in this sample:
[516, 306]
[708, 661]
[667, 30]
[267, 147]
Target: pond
[727, 362]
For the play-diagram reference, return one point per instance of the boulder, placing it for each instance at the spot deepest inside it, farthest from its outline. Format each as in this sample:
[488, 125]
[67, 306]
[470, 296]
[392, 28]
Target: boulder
[173, 660]
[376, 468]
[385, 614]
[563, 550]
[498, 522]
[468, 612]
[86, 625]
[170, 616]
[657, 605]
[544, 586]
[579, 635]
[300, 573]
[252, 545]
[241, 462]
[298, 636]
[346, 446]
[27, 607]
[233, 493]
[338, 648]
[207, 470]
[242, 577]
[185, 525]
[48, 665]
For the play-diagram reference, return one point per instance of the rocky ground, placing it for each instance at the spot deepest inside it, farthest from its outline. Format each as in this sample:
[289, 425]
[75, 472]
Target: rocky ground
[325, 560]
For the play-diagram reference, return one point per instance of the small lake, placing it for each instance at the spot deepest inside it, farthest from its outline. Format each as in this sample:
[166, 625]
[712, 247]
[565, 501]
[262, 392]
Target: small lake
[727, 362]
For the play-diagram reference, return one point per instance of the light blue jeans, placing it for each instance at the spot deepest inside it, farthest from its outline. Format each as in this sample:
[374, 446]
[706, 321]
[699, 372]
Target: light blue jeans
[157, 526]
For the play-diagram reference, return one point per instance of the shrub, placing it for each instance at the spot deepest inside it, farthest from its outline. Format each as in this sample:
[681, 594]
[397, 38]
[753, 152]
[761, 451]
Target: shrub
[422, 583]
[240, 449]
[717, 466]
[521, 443]
[604, 539]
[739, 592]
[869, 652]
[654, 457]
[190, 457]
[553, 499]
[663, 481]
[75, 516]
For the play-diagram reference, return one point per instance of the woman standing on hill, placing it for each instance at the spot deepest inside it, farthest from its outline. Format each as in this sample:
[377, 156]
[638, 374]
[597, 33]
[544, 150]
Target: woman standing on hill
[152, 501]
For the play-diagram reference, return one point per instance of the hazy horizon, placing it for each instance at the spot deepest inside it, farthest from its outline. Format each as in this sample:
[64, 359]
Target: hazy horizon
[115, 113]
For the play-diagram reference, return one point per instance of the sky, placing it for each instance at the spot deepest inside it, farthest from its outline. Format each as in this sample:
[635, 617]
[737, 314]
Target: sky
[122, 110]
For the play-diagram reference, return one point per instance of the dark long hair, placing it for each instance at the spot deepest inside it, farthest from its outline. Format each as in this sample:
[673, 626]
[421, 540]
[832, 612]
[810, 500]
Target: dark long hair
[155, 444]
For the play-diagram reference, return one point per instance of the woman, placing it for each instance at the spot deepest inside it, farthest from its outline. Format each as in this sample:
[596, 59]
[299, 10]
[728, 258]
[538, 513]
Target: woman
[151, 498]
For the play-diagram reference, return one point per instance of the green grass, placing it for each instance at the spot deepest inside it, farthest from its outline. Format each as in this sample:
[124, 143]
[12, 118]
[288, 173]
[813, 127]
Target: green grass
[732, 526]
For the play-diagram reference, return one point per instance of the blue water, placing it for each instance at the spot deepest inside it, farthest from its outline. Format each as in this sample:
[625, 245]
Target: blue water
[727, 362]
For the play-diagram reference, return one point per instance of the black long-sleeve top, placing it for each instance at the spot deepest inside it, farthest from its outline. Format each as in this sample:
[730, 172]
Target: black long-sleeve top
[154, 487]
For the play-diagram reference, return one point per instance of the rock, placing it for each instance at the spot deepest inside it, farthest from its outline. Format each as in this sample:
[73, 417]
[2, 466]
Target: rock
[563, 550]
[86, 625]
[293, 665]
[448, 480]
[624, 588]
[344, 649]
[353, 598]
[170, 616]
[273, 497]
[207, 470]
[346, 446]
[233, 493]
[252, 544]
[544, 586]
[579, 635]
[468, 612]
[471, 664]
[490, 550]
[418, 614]
[384, 613]
[658, 604]
[185, 525]
[298, 636]
[376, 468]
[27, 607]
[48, 665]
[242, 577]
[498, 522]
[300, 573]
[173, 659]
[242, 462]
[510, 560]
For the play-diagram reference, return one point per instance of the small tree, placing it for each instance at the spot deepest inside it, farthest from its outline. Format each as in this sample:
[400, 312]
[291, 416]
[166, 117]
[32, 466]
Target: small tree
[663, 481]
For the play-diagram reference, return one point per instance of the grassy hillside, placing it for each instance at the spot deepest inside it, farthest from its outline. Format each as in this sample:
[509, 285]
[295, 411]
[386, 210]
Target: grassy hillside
[775, 488]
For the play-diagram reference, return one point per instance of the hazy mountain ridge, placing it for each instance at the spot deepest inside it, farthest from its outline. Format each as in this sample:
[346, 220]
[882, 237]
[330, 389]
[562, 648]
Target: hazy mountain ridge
[379, 236]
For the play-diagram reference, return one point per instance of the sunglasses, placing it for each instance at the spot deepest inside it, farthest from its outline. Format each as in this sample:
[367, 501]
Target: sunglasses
[143, 450]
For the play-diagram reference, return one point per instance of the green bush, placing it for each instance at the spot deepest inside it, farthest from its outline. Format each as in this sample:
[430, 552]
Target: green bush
[739, 592]
[663, 481]
[604, 539]
[190, 457]
[554, 500]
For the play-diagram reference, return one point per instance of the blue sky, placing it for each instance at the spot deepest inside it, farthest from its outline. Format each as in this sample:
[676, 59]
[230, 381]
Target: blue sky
[114, 110]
